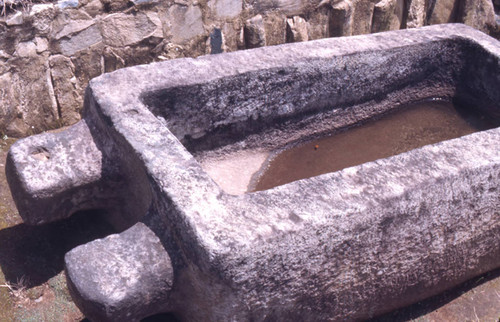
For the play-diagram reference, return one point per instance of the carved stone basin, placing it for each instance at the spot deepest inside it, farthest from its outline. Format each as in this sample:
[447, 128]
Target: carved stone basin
[350, 244]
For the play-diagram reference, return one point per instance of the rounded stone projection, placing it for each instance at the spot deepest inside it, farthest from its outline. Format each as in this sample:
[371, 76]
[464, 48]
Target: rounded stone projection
[122, 277]
[350, 244]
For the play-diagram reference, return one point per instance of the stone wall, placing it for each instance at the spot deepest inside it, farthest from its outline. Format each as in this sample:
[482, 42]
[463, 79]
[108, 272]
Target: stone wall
[49, 52]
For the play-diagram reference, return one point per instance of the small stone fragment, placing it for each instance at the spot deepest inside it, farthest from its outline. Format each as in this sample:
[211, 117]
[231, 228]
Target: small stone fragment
[42, 44]
[63, 4]
[26, 49]
[15, 20]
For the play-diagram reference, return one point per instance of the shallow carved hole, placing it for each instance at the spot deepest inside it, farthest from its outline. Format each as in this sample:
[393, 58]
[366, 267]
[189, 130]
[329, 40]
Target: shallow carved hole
[41, 153]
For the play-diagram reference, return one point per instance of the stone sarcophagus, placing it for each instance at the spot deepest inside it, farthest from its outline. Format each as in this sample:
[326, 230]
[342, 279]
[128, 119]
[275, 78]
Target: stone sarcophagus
[349, 244]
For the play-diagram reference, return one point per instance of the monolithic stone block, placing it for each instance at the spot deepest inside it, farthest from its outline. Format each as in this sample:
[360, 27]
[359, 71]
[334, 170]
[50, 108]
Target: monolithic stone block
[346, 245]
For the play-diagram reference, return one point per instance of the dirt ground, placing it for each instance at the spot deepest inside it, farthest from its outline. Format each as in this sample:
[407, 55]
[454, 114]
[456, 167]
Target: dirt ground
[33, 286]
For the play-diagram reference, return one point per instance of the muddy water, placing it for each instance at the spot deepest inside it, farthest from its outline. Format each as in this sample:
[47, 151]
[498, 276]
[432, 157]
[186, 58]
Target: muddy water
[409, 128]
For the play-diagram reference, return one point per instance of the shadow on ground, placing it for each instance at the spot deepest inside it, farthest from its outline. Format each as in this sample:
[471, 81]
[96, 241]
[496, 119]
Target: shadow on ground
[425, 307]
[31, 255]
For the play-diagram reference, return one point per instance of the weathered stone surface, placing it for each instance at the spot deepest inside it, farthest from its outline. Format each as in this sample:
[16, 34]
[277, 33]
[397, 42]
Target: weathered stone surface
[324, 248]
[10, 116]
[89, 63]
[132, 271]
[416, 14]
[224, 9]
[288, 7]
[41, 16]
[362, 17]
[70, 166]
[254, 32]
[296, 29]
[94, 7]
[121, 29]
[66, 88]
[274, 29]
[66, 25]
[42, 44]
[72, 27]
[388, 15]
[10, 38]
[4, 67]
[81, 41]
[15, 20]
[183, 22]
[26, 49]
[341, 21]
[317, 24]
[231, 36]
[442, 11]
[128, 56]
[28, 102]
[478, 14]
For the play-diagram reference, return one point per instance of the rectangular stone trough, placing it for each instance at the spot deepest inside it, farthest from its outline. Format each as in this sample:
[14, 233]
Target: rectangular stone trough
[346, 245]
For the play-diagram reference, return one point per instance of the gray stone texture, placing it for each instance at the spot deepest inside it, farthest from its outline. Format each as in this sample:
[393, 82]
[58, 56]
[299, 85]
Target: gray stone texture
[136, 269]
[388, 15]
[351, 244]
[103, 35]
[62, 73]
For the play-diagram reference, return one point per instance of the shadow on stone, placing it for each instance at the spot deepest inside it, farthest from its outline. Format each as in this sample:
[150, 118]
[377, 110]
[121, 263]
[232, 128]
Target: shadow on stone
[31, 255]
[433, 303]
[162, 317]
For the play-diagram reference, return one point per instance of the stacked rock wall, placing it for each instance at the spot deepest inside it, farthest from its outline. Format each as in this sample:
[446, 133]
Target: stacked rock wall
[49, 52]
